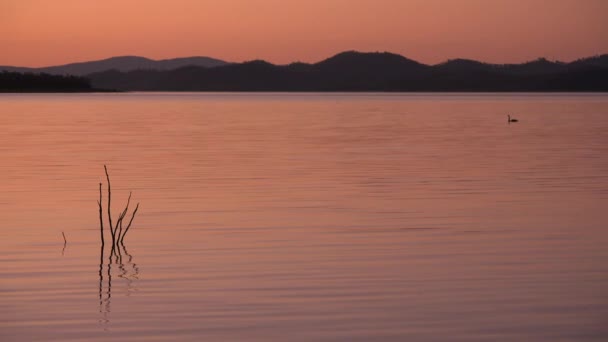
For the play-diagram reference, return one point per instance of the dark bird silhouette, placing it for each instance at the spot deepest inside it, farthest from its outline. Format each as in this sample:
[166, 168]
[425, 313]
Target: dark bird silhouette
[509, 120]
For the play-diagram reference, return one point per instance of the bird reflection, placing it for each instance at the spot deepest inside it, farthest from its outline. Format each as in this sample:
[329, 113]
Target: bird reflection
[125, 268]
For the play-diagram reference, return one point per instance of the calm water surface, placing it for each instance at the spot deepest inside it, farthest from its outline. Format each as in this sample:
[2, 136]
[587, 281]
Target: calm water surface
[306, 217]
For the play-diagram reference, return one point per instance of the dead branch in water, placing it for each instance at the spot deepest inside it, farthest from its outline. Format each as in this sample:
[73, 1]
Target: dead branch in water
[131, 221]
[115, 229]
[109, 206]
[65, 243]
[121, 217]
[101, 216]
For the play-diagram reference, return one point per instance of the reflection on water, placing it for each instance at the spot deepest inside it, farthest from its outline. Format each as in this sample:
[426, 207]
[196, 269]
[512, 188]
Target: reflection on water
[128, 271]
[101, 284]
[273, 217]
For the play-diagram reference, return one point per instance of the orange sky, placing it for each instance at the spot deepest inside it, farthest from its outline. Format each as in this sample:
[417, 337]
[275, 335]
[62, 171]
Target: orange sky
[49, 32]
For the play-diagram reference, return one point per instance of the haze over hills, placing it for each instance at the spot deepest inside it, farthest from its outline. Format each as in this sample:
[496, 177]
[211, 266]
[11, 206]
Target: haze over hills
[122, 63]
[346, 71]
[357, 71]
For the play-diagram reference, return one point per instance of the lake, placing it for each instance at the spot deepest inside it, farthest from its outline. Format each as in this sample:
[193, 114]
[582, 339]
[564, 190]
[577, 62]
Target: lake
[306, 217]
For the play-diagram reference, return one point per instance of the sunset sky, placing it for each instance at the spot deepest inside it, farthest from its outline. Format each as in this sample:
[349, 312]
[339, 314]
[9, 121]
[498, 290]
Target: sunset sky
[50, 32]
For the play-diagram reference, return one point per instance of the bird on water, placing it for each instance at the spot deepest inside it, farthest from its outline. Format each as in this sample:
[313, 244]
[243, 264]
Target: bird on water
[509, 120]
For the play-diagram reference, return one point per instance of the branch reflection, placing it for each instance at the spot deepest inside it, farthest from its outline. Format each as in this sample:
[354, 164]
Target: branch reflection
[125, 268]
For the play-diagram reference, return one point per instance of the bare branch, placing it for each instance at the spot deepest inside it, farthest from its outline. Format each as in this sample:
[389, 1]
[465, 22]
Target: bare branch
[112, 229]
[131, 221]
[117, 227]
[122, 216]
[100, 215]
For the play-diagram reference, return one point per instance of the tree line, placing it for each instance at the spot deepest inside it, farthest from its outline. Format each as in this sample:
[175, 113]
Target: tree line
[41, 82]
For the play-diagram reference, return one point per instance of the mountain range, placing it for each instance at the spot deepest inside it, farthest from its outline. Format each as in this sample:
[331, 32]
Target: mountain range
[122, 63]
[347, 71]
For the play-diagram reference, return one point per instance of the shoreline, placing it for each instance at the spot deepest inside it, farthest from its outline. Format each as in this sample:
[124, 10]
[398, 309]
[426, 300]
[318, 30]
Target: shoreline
[308, 91]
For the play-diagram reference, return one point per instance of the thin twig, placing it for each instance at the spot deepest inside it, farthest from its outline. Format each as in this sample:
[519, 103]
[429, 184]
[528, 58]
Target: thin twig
[101, 216]
[65, 242]
[118, 226]
[131, 221]
[112, 230]
[122, 216]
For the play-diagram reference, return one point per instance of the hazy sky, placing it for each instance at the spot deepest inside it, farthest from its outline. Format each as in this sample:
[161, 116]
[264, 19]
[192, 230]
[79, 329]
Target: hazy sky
[47, 32]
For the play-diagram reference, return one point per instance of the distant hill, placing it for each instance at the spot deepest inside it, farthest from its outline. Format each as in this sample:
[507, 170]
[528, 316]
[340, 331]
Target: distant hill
[357, 71]
[124, 63]
[346, 71]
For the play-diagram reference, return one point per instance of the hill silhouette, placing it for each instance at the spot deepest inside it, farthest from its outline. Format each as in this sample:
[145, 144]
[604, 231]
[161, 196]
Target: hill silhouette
[122, 63]
[346, 71]
[357, 71]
